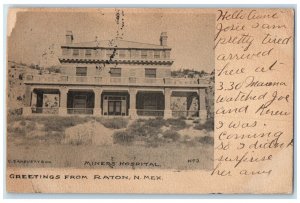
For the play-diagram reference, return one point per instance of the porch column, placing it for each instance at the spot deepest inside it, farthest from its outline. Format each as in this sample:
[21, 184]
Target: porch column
[97, 104]
[28, 95]
[132, 105]
[202, 105]
[63, 101]
[168, 111]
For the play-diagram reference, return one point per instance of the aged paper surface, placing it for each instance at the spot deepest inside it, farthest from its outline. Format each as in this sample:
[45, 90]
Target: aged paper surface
[175, 101]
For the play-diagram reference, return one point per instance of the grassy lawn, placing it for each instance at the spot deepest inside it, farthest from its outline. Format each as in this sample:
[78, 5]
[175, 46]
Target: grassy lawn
[164, 142]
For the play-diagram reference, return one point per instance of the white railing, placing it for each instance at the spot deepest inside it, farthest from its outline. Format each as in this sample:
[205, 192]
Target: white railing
[80, 110]
[78, 79]
[117, 80]
[46, 78]
[112, 114]
[64, 79]
[187, 81]
[185, 113]
[115, 58]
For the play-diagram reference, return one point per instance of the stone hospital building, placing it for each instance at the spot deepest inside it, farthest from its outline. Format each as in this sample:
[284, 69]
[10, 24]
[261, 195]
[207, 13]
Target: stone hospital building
[115, 78]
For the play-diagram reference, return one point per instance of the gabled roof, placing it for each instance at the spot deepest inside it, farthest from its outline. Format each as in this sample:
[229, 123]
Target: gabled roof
[122, 44]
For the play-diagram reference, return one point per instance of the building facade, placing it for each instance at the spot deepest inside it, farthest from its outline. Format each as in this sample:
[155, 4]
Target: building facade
[115, 78]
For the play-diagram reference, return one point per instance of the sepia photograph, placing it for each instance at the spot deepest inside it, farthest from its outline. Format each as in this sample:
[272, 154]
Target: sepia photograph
[110, 89]
[149, 100]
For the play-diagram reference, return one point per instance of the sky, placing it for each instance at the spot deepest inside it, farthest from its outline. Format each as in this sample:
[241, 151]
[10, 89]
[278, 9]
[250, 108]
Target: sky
[35, 36]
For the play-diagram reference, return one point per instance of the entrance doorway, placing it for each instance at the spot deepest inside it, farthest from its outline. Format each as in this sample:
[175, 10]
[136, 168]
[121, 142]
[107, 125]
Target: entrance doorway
[115, 104]
[114, 108]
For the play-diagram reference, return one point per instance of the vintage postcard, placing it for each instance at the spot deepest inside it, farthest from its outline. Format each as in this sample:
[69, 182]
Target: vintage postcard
[150, 100]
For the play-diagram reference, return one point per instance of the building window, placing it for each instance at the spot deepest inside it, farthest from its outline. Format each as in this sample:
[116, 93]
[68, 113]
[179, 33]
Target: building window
[150, 54]
[156, 54]
[133, 53]
[122, 54]
[150, 73]
[97, 52]
[167, 54]
[65, 51]
[115, 72]
[81, 71]
[144, 54]
[75, 52]
[88, 52]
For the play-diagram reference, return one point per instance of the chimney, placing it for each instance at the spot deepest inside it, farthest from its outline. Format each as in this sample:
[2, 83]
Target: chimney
[163, 39]
[69, 37]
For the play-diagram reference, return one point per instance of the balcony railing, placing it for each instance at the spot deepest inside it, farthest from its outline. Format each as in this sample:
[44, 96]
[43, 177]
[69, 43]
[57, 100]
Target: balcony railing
[184, 113]
[114, 58]
[94, 80]
[80, 110]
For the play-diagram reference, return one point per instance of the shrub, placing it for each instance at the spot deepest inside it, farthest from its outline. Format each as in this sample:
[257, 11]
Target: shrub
[171, 134]
[154, 141]
[30, 126]
[18, 131]
[208, 125]
[53, 137]
[137, 128]
[115, 123]
[10, 129]
[199, 127]
[152, 131]
[54, 124]
[61, 123]
[15, 112]
[177, 123]
[23, 123]
[182, 117]
[54, 69]
[155, 122]
[141, 129]
[205, 140]
[122, 137]
[12, 119]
